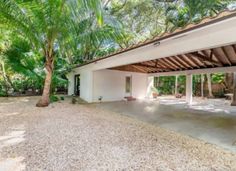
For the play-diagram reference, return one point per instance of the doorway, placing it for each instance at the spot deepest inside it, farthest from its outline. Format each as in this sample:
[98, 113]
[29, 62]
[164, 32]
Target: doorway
[128, 86]
[77, 85]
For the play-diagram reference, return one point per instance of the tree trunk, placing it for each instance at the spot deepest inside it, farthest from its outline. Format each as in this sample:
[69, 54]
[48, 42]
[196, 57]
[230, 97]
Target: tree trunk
[7, 83]
[45, 99]
[234, 91]
[229, 82]
[210, 95]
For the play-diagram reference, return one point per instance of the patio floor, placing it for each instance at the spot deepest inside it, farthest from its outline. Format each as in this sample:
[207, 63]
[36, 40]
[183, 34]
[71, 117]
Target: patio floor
[211, 120]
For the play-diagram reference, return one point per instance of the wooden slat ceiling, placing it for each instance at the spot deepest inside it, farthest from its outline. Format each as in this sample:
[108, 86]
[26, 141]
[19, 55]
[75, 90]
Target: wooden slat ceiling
[209, 58]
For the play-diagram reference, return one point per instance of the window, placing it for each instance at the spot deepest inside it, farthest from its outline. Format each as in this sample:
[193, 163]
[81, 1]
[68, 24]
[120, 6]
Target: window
[128, 84]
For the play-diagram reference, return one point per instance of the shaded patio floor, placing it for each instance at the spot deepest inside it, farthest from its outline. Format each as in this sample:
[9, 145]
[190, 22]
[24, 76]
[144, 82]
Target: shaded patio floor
[213, 121]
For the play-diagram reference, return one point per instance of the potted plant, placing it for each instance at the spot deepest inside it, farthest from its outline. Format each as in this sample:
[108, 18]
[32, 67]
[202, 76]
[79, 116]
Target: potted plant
[155, 92]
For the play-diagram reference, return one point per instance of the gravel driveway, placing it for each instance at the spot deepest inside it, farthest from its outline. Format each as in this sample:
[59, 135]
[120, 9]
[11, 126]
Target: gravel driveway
[67, 137]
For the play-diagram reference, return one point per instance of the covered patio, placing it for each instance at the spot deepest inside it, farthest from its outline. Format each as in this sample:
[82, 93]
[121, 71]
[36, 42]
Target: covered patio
[207, 61]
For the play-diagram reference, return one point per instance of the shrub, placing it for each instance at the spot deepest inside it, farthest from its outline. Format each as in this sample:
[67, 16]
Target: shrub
[53, 98]
[3, 94]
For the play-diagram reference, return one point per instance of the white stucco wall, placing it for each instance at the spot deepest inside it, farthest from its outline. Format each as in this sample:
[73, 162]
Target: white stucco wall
[110, 84]
[86, 84]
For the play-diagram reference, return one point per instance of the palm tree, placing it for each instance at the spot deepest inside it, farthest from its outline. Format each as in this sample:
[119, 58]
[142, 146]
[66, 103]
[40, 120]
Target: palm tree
[45, 24]
[182, 12]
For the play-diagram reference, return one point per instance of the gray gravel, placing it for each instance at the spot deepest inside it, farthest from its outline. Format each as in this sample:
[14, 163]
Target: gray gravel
[66, 137]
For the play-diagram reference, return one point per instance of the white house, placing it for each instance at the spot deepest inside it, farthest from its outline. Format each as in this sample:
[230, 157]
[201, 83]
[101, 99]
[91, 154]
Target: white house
[206, 47]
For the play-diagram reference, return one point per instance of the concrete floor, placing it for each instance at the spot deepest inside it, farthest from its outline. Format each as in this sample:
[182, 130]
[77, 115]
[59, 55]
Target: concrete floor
[213, 121]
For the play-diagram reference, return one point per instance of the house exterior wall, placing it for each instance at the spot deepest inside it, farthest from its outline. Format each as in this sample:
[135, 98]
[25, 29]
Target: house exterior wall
[86, 84]
[110, 84]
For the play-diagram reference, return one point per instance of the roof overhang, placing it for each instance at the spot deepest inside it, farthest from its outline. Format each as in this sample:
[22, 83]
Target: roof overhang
[209, 39]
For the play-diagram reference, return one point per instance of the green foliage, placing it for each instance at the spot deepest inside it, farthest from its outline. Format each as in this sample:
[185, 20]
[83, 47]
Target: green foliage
[70, 32]
[27, 68]
[183, 12]
[78, 31]
[54, 98]
[218, 78]
[166, 85]
[3, 93]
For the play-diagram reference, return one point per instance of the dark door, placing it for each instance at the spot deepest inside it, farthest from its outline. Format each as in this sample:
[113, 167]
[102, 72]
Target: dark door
[77, 85]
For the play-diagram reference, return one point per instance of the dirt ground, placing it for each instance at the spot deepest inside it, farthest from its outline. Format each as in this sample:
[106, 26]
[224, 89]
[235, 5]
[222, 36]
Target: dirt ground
[64, 137]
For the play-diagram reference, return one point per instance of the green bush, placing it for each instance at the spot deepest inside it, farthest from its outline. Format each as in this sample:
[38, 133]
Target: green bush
[2, 94]
[53, 98]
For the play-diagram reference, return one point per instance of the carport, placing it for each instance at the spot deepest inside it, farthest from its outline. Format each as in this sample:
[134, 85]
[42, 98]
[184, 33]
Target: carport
[206, 47]
[219, 59]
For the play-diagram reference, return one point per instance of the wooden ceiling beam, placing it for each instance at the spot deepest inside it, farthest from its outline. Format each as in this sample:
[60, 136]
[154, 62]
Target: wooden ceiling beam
[192, 63]
[166, 65]
[181, 62]
[219, 54]
[205, 59]
[157, 64]
[195, 61]
[140, 69]
[178, 66]
[227, 56]
[211, 55]
[208, 57]
[234, 47]
[166, 61]
[198, 60]
[217, 57]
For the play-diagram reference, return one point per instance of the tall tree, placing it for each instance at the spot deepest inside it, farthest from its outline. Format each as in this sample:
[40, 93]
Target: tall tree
[183, 12]
[44, 23]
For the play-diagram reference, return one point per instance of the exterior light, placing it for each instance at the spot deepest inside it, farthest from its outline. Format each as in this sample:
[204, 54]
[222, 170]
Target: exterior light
[156, 44]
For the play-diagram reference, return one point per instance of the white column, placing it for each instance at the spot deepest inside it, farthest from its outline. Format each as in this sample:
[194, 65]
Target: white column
[189, 88]
[202, 85]
[150, 82]
[176, 84]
